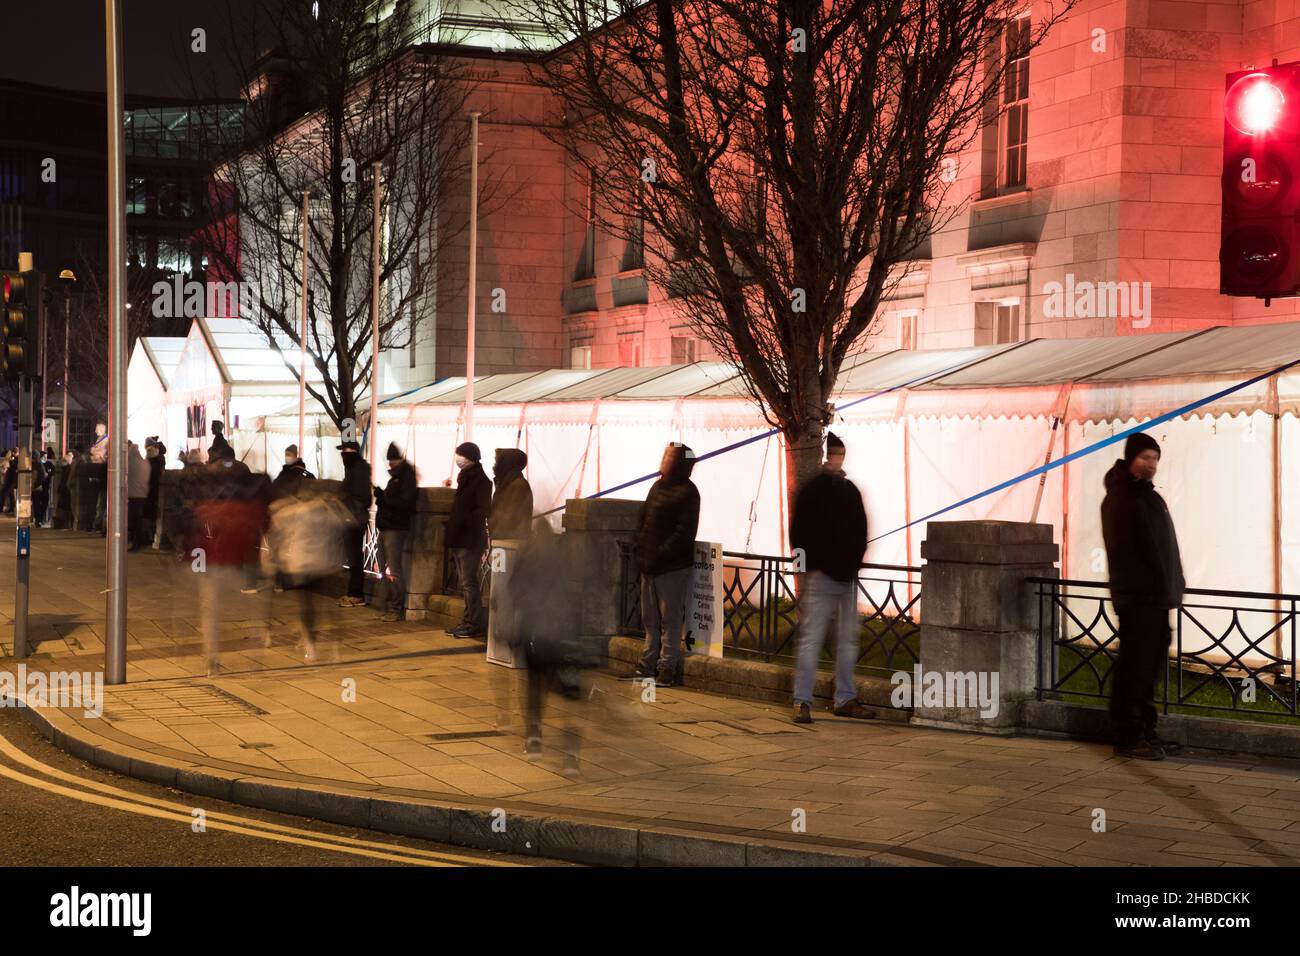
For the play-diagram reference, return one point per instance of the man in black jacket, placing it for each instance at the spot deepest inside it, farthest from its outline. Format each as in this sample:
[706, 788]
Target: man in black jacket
[512, 500]
[356, 495]
[666, 552]
[467, 533]
[829, 525]
[292, 475]
[1146, 581]
[396, 505]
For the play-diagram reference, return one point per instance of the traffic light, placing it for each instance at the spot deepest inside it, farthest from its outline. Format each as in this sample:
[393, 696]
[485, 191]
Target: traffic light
[1259, 252]
[20, 330]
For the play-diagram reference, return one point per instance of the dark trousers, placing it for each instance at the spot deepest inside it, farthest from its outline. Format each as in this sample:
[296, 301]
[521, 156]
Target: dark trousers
[135, 521]
[1144, 639]
[354, 540]
[468, 563]
[391, 545]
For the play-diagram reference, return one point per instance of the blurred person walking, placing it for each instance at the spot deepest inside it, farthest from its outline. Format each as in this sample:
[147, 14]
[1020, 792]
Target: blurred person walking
[668, 523]
[467, 534]
[396, 507]
[305, 543]
[1146, 582]
[356, 498]
[829, 524]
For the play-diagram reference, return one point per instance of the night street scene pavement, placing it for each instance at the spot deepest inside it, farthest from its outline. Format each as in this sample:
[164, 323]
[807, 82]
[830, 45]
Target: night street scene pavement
[444, 441]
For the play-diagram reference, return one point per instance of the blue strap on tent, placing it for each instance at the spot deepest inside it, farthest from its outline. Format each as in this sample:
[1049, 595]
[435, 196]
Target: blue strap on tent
[1095, 446]
[770, 432]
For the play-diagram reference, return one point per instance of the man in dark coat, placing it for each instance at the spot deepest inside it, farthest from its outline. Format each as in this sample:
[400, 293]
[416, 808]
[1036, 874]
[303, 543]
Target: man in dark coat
[828, 529]
[396, 508]
[356, 495]
[293, 474]
[467, 533]
[666, 555]
[512, 500]
[1146, 581]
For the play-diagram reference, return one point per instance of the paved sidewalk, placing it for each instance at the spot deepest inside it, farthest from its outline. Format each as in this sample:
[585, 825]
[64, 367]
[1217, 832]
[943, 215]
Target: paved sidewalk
[432, 741]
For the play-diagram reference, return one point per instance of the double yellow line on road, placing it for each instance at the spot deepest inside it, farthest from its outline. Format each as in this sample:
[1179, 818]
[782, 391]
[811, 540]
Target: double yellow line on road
[103, 795]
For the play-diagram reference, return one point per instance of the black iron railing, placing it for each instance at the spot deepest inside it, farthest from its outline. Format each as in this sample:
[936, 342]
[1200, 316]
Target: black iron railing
[1232, 651]
[760, 598]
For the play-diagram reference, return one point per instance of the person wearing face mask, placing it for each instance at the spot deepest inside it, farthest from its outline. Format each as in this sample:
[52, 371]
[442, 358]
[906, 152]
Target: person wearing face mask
[293, 474]
[396, 506]
[666, 555]
[1146, 582]
[467, 533]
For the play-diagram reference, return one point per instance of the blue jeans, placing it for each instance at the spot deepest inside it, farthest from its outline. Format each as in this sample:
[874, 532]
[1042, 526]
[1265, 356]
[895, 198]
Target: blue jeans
[822, 598]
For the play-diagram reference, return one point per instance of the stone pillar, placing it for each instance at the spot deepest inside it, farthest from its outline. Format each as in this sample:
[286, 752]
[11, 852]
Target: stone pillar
[979, 621]
[426, 552]
[596, 526]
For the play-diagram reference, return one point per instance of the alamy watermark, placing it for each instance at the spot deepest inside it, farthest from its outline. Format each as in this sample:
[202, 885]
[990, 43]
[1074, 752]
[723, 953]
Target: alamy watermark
[192, 300]
[1098, 300]
[62, 689]
[917, 688]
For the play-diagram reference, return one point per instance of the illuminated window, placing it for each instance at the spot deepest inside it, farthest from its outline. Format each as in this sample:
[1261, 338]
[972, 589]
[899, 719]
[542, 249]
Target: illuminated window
[580, 353]
[587, 260]
[629, 350]
[907, 329]
[685, 349]
[997, 323]
[1014, 125]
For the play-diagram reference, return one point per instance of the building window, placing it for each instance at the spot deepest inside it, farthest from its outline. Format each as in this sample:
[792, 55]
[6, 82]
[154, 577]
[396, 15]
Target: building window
[629, 350]
[907, 329]
[685, 349]
[1005, 136]
[580, 353]
[587, 259]
[997, 323]
[1013, 127]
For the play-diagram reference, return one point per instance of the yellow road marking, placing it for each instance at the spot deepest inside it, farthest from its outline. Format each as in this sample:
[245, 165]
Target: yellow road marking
[170, 810]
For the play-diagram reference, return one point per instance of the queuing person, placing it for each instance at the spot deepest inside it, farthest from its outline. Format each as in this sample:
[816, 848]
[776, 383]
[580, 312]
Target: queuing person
[293, 474]
[357, 498]
[396, 507]
[467, 534]
[155, 453]
[511, 515]
[829, 524]
[219, 444]
[137, 493]
[98, 473]
[666, 555]
[1146, 582]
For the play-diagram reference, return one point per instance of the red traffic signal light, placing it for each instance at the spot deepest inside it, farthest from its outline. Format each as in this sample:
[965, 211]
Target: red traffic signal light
[1259, 252]
[18, 330]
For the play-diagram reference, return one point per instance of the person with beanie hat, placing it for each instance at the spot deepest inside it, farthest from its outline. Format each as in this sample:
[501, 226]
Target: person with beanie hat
[1146, 581]
[829, 525]
[356, 497]
[395, 507]
[467, 534]
[668, 522]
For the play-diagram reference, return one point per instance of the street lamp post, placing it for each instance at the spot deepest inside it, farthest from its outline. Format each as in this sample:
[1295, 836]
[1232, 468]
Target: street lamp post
[302, 340]
[67, 278]
[472, 291]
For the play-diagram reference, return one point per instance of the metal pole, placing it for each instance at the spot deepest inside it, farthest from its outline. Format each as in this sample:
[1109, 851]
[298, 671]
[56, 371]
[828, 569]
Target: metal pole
[374, 329]
[23, 510]
[45, 362]
[472, 292]
[67, 325]
[302, 340]
[115, 628]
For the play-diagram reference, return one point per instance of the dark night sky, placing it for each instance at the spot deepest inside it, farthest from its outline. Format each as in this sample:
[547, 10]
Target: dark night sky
[62, 44]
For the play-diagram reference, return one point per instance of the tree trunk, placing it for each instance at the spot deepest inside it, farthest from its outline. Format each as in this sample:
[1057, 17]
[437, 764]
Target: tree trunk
[803, 460]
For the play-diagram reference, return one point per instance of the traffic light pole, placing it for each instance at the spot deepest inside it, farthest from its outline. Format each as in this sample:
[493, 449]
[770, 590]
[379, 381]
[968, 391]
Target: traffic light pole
[23, 509]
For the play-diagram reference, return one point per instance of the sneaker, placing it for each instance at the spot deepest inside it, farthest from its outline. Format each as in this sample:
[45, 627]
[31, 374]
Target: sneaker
[461, 630]
[391, 617]
[664, 678]
[1141, 750]
[350, 601]
[309, 651]
[278, 589]
[570, 770]
[248, 590]
[1171, 748]
[533, 748]
[214, 667]
[802, 714]
[640, 674]
[854, 709]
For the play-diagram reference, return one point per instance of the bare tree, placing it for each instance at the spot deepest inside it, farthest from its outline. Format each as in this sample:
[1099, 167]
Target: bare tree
[333, 90]
[783, 161]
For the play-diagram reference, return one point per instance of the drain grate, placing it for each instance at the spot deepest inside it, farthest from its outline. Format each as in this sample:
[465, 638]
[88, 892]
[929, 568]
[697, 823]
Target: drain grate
[165, 703]
[466, 735]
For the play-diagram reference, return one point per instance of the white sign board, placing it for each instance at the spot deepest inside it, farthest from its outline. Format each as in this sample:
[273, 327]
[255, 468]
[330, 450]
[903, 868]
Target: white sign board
[704, 612]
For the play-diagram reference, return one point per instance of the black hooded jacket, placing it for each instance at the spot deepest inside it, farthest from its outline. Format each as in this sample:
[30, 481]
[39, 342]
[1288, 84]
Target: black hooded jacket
[512, 502]
[467, 523]
[830, 524]
[356, 486]
[669, 519]
[396, 503]
[1141, 547]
